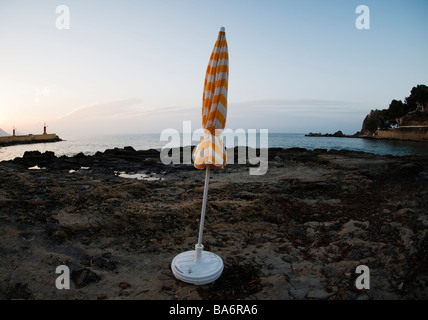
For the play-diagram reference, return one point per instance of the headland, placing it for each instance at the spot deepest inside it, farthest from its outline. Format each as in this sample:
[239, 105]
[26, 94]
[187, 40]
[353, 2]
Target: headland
[406, 120]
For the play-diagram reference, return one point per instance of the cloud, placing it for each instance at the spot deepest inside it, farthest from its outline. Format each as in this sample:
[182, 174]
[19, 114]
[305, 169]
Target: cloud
[97, 117]
[130, 115]
[297, 115]
[104, 110]
[300, 104]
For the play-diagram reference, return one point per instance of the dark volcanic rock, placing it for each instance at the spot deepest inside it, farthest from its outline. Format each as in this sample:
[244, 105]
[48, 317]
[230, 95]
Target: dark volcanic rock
[297, 232]
[18, 291]
[82, 277]
[36, 158]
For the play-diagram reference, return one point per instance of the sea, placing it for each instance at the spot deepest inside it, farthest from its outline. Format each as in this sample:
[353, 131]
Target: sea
[89, 145]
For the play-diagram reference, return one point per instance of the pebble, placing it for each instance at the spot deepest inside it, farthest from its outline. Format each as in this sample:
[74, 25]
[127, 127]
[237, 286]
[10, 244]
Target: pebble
[124, 285]
[124, 293]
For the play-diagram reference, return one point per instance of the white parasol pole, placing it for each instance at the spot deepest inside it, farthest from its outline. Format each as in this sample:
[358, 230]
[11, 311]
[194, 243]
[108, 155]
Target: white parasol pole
[199, 247]
[197, 266]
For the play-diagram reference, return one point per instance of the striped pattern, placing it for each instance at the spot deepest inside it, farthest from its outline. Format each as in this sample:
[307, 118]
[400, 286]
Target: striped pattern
[210, 151]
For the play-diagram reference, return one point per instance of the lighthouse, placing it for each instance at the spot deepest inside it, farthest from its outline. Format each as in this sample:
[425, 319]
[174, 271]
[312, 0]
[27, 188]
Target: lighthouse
[44, 129]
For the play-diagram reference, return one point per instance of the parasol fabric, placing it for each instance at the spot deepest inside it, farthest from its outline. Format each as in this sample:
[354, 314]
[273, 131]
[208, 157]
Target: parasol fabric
[210, 151]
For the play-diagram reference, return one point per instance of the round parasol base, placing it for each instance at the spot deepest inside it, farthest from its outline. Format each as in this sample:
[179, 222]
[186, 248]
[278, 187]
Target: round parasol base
[208, 270]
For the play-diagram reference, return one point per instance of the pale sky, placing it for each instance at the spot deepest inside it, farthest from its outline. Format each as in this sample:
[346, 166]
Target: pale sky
[139, 66]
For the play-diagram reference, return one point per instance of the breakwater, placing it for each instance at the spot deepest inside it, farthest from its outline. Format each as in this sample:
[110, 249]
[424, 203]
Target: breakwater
[27, 139]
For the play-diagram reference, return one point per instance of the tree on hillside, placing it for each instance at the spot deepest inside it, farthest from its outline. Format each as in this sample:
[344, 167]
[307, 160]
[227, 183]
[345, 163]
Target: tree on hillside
[396, 110]
[418, 96]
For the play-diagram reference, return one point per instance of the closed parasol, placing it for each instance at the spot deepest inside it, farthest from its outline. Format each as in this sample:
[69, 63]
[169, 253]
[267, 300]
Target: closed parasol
[198, 266]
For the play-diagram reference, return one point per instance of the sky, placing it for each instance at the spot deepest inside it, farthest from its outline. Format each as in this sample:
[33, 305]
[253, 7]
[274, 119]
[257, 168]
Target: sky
[123, 67]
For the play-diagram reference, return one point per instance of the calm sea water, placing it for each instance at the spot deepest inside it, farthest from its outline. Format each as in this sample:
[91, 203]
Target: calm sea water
[90, 145]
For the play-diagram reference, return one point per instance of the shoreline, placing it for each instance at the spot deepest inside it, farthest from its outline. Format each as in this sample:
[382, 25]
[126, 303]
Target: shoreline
[72, 147]
[413, 134]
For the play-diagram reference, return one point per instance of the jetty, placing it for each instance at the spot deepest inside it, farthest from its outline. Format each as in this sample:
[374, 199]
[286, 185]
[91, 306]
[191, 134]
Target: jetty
[28, 139]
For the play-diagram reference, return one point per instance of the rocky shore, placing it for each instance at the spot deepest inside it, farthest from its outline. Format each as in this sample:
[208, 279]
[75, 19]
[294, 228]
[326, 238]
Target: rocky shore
[337, 134]
[117, 219]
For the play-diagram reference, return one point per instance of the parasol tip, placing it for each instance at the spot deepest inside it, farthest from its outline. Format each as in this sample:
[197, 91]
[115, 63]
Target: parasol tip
[222, 29]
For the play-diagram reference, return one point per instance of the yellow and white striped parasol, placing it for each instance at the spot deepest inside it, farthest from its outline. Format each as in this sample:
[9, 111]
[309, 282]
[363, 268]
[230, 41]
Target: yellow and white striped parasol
[198, 266]
[210, 151]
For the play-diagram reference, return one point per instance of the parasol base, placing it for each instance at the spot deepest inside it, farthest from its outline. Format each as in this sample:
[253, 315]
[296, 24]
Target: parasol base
[185, 268]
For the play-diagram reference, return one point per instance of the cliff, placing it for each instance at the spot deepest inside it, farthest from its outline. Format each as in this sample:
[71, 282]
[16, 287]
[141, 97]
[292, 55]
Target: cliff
[406, 120]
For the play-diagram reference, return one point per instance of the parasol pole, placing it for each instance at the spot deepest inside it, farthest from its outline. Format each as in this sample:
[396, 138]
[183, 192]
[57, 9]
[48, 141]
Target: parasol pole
[199, 246]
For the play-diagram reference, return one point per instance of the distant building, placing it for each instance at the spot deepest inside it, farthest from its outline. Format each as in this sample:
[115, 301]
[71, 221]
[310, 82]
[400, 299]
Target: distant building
[421, 107]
